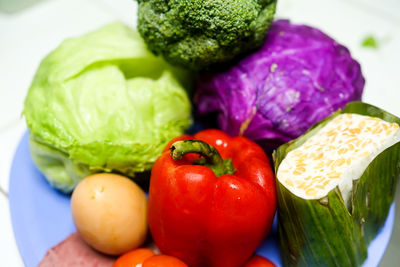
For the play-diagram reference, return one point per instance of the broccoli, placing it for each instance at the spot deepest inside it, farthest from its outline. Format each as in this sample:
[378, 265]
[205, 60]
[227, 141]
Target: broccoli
[199, 33]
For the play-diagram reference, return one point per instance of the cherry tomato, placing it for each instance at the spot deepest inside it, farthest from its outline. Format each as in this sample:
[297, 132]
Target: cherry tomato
[133, 258]
[144, 257]
[259, 261]
[163, 261]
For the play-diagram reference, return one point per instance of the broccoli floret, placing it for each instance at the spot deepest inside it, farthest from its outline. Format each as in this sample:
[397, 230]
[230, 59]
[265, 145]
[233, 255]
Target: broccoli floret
[199, 33]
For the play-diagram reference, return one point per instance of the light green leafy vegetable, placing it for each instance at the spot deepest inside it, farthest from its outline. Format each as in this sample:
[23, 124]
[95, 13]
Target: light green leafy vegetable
[370, 41]
[103, 102]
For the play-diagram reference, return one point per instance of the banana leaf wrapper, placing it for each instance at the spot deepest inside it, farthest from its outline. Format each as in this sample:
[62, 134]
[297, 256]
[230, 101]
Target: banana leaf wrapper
[324, 232]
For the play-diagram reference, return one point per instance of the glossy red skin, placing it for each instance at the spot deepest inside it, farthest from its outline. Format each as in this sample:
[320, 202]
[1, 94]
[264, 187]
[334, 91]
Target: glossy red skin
[146, 258]
[258, 261]
[163, 261]
[133, 257]
[207, 220]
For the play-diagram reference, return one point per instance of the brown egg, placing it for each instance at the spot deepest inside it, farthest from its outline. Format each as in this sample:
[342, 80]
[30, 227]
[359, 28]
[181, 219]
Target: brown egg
[110, 213]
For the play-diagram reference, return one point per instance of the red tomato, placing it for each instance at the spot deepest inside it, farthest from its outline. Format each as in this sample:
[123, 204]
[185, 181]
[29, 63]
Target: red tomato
[133, 258]
[145, 257]
[258, 261]
[163, 261]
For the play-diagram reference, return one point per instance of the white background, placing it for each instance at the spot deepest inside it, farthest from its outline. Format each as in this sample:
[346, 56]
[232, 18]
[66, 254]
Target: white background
[27, 36]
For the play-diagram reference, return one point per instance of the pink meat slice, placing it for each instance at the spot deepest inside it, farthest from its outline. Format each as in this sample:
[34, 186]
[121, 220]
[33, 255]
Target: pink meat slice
[73, 251]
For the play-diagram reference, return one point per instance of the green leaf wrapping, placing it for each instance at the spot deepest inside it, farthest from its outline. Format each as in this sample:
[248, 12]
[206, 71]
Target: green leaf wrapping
[324, 232]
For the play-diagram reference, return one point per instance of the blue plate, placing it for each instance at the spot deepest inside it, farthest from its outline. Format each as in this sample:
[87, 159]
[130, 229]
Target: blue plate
[41, 216]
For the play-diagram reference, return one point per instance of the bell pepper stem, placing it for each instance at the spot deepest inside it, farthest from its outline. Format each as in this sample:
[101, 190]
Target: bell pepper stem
[213, 159]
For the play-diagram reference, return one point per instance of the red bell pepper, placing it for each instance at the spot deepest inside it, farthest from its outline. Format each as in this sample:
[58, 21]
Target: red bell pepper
[207, 210]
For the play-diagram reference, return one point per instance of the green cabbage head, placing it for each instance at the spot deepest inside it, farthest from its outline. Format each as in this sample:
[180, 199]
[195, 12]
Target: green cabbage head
[103, 103]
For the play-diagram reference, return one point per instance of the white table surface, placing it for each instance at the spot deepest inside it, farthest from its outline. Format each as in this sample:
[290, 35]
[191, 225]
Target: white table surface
[28, 35]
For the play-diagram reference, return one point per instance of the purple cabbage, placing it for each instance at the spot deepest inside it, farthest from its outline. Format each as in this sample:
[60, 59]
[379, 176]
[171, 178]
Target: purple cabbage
[297, 78]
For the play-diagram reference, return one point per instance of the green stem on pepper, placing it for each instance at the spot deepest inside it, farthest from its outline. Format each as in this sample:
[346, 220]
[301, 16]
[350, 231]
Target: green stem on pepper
[212, 158]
